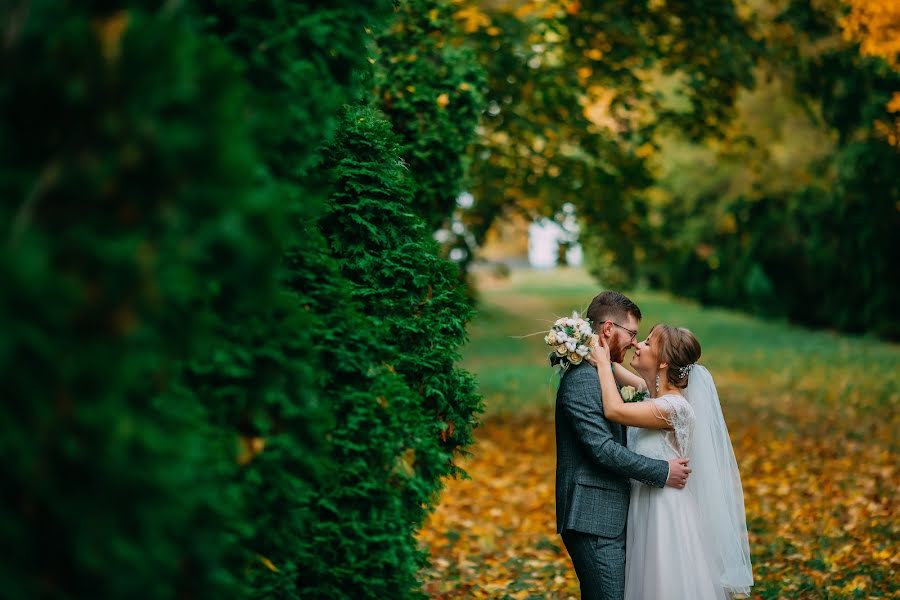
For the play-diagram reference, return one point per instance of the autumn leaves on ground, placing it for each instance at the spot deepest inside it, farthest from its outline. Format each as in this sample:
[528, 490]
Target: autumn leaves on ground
[812, 416]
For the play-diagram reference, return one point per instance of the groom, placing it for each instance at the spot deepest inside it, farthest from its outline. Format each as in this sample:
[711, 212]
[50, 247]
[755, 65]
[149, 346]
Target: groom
[593, 465]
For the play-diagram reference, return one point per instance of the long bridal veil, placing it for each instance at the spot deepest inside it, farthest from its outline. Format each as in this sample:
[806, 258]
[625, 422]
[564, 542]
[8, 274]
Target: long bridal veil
[716, 483]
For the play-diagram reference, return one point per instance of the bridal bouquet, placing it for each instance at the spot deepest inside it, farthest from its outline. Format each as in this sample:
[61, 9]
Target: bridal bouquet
[571, 340]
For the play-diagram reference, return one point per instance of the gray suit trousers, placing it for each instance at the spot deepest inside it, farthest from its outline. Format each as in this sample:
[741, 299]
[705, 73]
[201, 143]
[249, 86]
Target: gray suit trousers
[593, 467]
[599, 563]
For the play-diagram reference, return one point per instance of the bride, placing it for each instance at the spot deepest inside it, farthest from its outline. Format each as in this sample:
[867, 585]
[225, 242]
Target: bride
[686, 543]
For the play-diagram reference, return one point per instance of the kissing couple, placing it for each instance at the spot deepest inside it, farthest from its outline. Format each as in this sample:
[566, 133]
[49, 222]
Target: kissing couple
[649, 501]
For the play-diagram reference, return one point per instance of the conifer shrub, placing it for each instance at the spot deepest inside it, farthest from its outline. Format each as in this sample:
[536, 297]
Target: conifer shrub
[219, 385]
[263, 381]
[126, 178]
[402, 408]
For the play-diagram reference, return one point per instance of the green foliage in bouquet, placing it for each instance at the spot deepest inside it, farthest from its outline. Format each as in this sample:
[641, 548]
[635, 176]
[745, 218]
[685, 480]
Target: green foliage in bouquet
[126, 178]
[431, 87]
[402, 408]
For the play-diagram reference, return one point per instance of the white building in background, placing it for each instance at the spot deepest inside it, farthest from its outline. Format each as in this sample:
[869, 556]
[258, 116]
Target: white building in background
[545, 236]
[506, 241]
[575, 255]
[543, 243]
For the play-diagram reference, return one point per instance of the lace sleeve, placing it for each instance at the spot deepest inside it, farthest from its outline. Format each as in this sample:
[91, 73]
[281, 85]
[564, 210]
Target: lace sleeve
[678, 413]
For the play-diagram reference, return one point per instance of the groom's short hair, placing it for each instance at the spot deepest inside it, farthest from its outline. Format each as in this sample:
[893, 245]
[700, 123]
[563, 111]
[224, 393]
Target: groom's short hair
[611, 306]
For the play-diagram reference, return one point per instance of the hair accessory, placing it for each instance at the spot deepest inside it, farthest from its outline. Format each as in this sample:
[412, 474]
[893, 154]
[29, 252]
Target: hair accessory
[685, 371]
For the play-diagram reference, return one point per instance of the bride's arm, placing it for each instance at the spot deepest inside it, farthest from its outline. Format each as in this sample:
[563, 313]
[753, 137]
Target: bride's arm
[625, 377]
[636, 414]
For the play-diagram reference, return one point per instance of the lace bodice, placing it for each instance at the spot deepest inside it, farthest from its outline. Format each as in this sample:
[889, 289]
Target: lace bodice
[666, 444]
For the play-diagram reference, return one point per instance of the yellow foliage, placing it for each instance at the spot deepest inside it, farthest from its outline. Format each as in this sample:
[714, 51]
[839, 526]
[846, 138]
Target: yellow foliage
[819, 502]
[268, 563]
[525, 10]
[110, 31]
[644, 151]
[249, 447]
[406, 463]
[894, 104]
[726, 224]
[875, 25]
[598, 107]
[471, 19]
[889, 130]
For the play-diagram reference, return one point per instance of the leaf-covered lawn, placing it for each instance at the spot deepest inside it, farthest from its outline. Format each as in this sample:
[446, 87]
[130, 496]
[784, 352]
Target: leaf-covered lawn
[812, 416]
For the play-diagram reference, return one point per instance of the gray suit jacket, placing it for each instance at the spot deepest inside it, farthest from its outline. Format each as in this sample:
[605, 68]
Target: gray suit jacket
[593, 466]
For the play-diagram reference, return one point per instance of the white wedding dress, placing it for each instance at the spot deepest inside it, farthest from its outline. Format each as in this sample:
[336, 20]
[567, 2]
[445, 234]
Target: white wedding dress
[668, 551]
[689, 544]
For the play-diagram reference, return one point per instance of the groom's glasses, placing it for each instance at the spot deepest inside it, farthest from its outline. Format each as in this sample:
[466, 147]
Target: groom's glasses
[633, 333]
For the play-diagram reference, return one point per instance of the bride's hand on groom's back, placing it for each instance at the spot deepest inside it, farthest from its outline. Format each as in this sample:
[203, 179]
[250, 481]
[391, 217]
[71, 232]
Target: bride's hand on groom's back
[678, 473]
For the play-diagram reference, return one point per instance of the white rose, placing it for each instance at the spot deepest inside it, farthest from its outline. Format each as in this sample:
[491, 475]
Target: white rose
[551, 338]
[574, 358]
[561, 350]
[628, 392]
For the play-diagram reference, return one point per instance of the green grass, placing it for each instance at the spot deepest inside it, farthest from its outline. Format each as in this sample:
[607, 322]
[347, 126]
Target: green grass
[741, 351]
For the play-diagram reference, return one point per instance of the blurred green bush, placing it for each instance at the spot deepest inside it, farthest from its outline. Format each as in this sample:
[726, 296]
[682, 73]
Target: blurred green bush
[206, 396]
[129, 203]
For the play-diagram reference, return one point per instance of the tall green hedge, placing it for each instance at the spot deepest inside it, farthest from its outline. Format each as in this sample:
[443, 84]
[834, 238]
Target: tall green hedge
[387, 254]
[260, 383]
[206, 397]
[127, 186]
[402, 408]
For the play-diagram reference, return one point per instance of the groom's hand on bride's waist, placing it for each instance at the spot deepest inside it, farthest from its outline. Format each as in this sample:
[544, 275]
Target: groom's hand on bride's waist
[678, 473]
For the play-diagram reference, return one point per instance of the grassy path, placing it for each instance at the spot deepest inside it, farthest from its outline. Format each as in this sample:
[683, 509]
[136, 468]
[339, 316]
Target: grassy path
[812, 416]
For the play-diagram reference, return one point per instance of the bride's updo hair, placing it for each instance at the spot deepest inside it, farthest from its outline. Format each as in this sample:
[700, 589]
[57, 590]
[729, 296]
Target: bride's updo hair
[679, 347]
